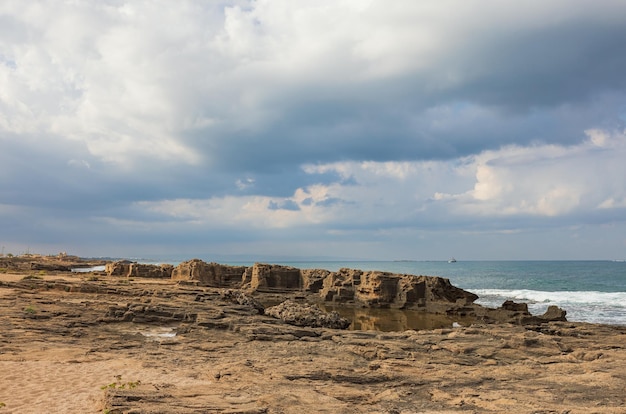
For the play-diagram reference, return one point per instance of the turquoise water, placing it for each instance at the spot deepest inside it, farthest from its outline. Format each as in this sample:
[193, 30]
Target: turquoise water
[590, 291]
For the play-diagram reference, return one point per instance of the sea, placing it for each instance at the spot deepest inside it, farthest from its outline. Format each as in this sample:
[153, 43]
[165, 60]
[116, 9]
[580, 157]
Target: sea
[589, 290]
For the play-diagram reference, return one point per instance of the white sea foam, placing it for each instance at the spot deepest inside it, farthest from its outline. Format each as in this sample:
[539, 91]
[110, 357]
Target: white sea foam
[590, 306]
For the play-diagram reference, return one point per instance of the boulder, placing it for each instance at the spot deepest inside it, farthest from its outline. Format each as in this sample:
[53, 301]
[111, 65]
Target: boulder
[209, 274]
[307, 315]
[553, 314]
[515, 307]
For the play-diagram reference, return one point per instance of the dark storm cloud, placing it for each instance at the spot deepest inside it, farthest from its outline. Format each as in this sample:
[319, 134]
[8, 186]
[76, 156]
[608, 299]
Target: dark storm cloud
[567, 63]
[541, 83]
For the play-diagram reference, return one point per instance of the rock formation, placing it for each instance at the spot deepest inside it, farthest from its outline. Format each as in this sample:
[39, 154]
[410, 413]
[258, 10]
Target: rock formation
[141, 313]
[356, 287]
[346, 288]
[209, 274]
[389, 290]
[518, 313]
[126, 268]
[313, 279]
[240, 298]
[268, 277]
[307, 315]
[59, 263]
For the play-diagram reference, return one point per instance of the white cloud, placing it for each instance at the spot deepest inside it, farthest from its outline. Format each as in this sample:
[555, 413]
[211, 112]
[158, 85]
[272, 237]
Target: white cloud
[132, 79]
[548, 180]
[610, 203]
[541, 180]
[414, 192]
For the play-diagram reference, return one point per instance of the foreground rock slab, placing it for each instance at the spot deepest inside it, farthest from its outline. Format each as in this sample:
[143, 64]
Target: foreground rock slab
[81, 344]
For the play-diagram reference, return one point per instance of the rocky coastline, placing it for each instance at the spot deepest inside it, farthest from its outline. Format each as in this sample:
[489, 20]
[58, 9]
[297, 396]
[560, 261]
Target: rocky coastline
[346, 289]
[204, 337]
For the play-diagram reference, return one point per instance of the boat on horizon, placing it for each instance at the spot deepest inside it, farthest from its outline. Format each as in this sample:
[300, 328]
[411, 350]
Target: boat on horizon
[452, 260]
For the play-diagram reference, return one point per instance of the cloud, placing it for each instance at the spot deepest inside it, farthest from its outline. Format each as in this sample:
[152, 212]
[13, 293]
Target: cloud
[338, 118]
[550, 180]
[372, 81]
[542, 181]
[78, 163]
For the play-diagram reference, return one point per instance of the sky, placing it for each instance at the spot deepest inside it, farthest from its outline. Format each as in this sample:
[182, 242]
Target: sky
[334, 129]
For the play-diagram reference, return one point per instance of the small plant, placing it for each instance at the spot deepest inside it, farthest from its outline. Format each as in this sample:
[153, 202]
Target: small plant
[2, 405]
[30, 309]
[120, 385]
[93, 278]
[42, 273]
[3, 269]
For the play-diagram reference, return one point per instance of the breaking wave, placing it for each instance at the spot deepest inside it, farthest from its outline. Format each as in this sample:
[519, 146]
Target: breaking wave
[581, 306]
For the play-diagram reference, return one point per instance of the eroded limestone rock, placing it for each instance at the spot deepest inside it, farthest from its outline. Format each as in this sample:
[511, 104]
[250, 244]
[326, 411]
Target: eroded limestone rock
[59, 263]
[517, 313]
[307, 315]
[383, 289]
[240, 298]
[313, 279]
[209, 274]
[271, 277]
[126, 268]
[142, 313]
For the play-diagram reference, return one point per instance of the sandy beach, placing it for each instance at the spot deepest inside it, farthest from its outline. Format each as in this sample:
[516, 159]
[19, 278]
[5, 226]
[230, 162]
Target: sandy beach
[68, 345]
